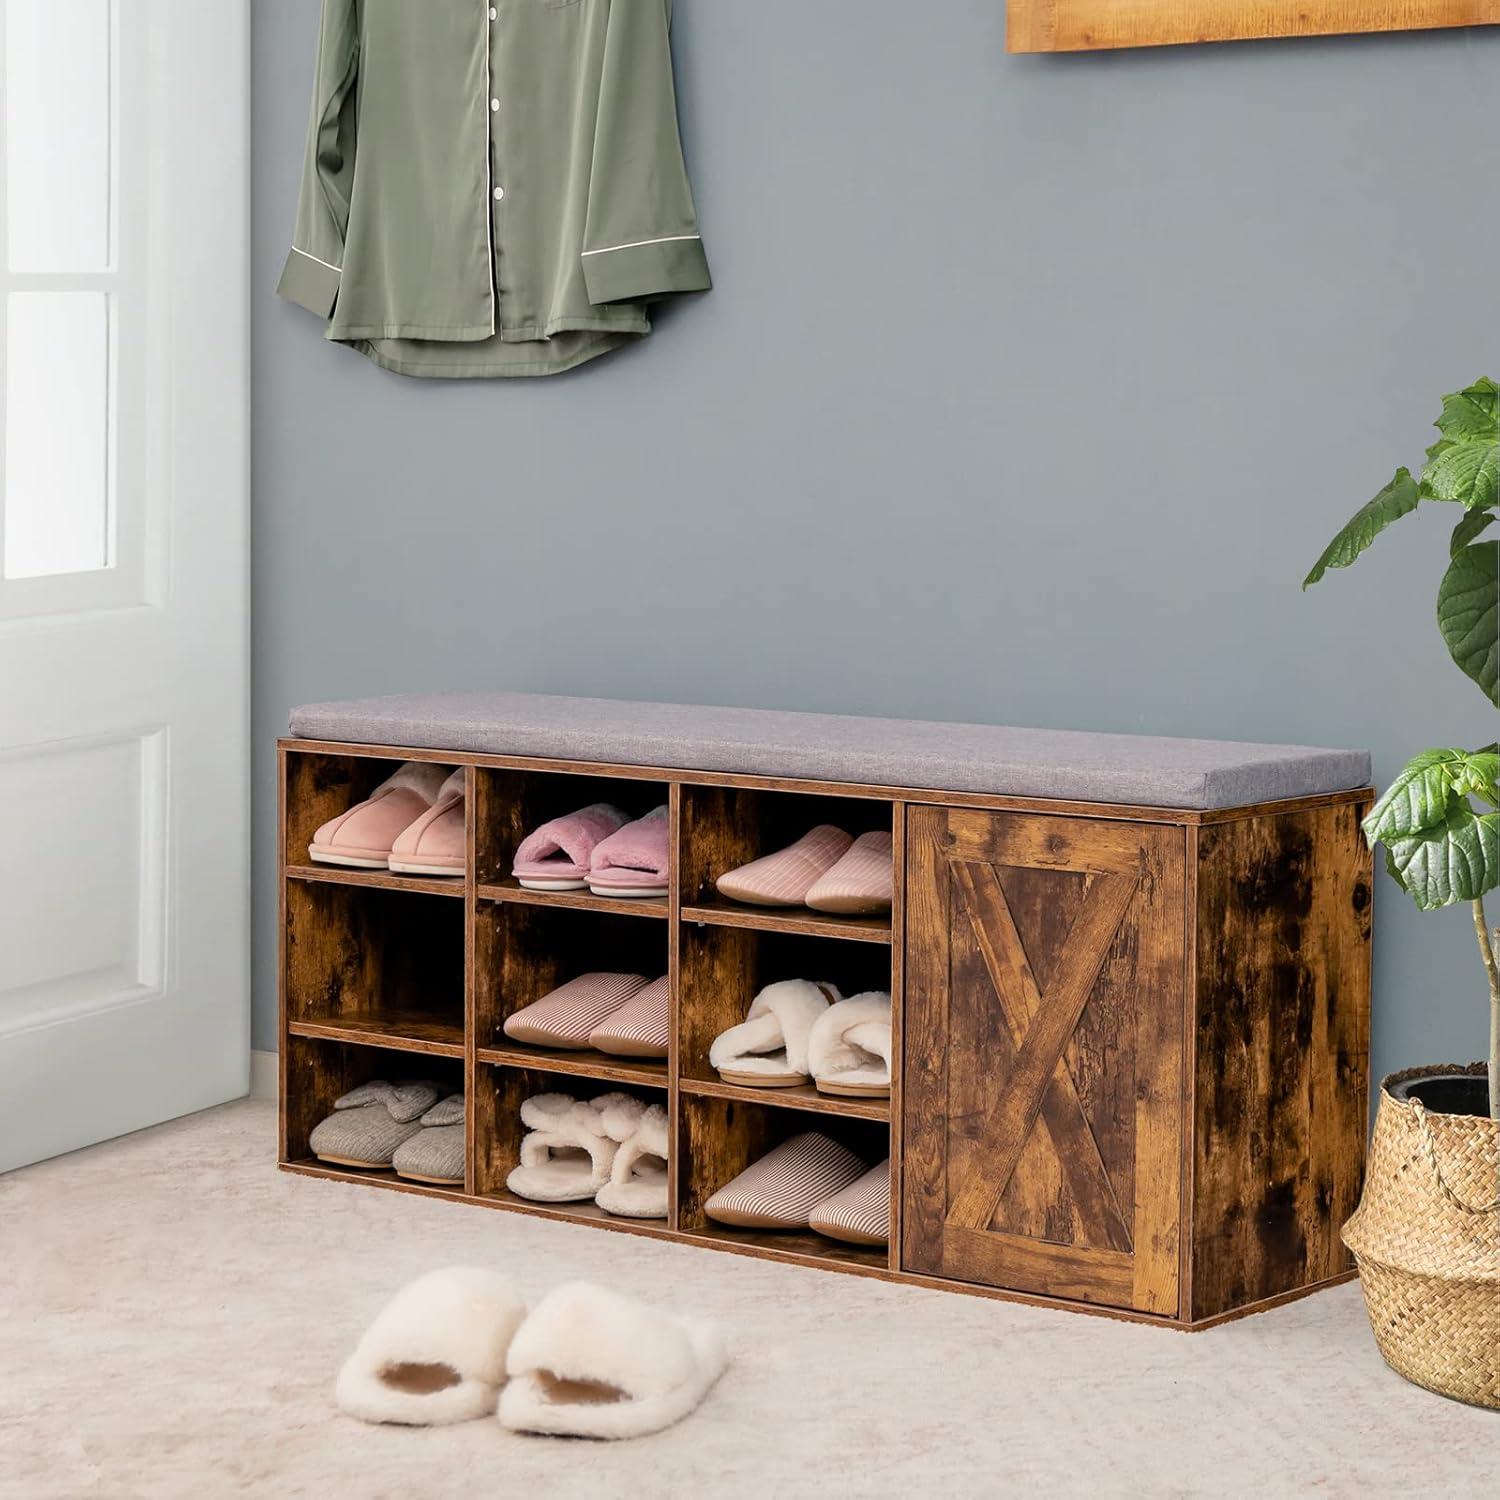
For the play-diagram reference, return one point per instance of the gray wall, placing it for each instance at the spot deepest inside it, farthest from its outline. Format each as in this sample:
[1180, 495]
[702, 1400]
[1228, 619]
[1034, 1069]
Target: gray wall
[1027, 392]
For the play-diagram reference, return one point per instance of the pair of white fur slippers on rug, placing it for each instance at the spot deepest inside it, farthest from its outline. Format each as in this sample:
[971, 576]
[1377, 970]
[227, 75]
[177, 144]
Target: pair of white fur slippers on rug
[458, 1344]
[612, 1149]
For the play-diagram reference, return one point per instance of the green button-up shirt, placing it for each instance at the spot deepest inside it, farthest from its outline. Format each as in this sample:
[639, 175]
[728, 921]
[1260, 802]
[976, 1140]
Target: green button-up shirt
[492, 189]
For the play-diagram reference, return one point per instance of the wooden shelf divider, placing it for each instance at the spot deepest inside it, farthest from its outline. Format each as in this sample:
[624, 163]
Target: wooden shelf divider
[618, 906]
[805, 1097]
[378, 880]
[800, 921]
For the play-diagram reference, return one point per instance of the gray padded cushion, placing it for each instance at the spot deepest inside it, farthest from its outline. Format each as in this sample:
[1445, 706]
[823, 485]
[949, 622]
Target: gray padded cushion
[1061, 764]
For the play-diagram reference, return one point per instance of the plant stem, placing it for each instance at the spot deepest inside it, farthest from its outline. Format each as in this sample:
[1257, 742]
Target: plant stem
[1487, 946]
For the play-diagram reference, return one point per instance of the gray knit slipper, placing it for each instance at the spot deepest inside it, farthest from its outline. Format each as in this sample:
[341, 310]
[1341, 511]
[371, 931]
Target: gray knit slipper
[436, 1153]
[370, 1122]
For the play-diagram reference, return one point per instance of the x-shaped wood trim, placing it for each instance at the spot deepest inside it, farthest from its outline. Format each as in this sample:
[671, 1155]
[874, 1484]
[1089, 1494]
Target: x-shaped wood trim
[1039, 1025]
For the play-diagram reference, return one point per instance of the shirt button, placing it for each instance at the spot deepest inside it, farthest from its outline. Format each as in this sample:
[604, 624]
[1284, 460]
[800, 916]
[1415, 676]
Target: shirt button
[499, 194]
[494, 104]
[493, 13]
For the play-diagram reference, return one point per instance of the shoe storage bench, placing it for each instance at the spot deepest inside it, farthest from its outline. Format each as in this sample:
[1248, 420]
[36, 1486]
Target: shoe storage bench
[1130, 981]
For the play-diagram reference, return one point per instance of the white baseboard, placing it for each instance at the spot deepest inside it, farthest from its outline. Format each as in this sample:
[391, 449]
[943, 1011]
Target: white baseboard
[264, 1075]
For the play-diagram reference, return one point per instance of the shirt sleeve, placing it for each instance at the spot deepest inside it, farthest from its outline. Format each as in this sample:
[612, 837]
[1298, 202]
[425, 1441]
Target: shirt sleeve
[641, 238]
[314, 265]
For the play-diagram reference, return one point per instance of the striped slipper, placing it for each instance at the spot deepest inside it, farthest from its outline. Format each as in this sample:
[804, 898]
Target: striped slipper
[859, 885]
[641, 1027]
[785, 878]
[849, 1047]
[566, 1017]
[781, 1190]
[861, 1214]
[768, 1049]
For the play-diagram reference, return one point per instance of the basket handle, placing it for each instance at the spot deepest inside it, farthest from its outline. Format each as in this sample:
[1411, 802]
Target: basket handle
[1425, 1130]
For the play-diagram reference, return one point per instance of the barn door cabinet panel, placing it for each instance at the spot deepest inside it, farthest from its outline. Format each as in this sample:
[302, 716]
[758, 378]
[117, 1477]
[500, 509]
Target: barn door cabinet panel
[1135, 1055]
[1044, 1036]
[1128, 1042]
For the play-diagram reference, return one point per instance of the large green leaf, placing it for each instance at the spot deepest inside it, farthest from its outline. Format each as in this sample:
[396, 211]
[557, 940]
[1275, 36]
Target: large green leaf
[1472, 412]
[1398, 498]
[1474, 523]
[1458, 860]
[1468, 615]
[1467, 471]
[1420, 797]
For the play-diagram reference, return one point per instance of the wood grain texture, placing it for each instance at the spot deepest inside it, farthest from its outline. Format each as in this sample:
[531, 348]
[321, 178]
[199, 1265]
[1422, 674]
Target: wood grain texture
[1084, 25]
[365, 956]
[1043, 1014]
[718, 912]
[1282, 1041]
[804, 1097]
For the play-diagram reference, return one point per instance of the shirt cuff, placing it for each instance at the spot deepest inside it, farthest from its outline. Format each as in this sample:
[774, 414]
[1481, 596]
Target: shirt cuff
[650, 268]
[310, 283]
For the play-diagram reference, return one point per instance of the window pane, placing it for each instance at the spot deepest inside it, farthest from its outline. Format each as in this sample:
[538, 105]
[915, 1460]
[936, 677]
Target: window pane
[57, 109]
[57, 461]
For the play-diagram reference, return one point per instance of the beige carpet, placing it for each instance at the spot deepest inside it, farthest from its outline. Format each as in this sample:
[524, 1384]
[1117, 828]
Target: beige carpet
[172, 1311]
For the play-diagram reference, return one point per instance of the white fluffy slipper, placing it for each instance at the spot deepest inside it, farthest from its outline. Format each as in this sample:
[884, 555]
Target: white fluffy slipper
[849, 1047]
[768, 1049]
[568, 1155]
[591, 1363]
[436, 1354]
[637, 1186]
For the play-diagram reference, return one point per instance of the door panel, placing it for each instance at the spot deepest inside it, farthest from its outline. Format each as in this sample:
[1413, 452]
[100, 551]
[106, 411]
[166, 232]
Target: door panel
[124, 992]
[1044, 1016]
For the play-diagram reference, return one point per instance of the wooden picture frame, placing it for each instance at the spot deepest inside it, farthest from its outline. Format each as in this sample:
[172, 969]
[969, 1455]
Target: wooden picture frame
[1089, 25]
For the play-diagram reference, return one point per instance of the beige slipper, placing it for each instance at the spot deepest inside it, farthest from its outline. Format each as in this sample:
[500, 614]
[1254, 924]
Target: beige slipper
[781, 1190]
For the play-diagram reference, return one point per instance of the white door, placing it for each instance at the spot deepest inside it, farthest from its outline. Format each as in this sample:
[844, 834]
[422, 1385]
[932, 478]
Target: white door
[124, 886]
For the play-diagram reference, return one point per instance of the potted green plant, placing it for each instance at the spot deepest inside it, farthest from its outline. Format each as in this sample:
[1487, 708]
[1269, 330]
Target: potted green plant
[1426, 1234]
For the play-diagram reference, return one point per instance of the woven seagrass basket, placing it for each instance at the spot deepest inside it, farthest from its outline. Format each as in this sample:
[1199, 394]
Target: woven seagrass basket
[1426, 1235]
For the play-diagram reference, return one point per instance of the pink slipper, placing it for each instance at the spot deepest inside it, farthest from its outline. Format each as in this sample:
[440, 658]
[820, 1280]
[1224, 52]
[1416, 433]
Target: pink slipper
[364, 836]
[556, 856]
[785, 878]
[860, 883]
[435, 844]
[641, 1027]
[567, 1017]
[633, 862]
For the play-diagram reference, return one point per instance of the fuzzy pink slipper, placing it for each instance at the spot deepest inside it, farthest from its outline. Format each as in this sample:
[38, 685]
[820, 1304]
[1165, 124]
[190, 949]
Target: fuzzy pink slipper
[435, 843]
[364, 836]
[785, 878]
[556, 856]
[633, 862]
